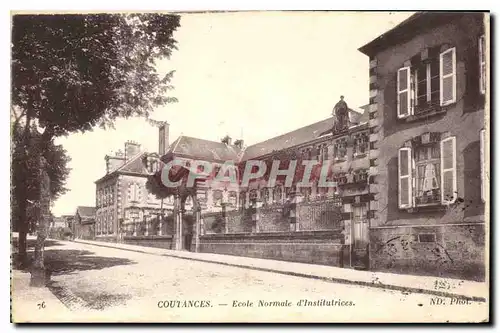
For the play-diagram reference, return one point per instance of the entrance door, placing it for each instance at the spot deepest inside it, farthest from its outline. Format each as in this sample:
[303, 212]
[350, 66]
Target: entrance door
[360, 236]
[187, 231]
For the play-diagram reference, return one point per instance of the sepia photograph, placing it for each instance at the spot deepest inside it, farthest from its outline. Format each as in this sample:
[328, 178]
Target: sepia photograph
[250, 167]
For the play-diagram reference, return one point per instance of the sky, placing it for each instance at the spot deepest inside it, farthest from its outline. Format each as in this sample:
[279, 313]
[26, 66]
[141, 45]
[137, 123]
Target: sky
[251, 75]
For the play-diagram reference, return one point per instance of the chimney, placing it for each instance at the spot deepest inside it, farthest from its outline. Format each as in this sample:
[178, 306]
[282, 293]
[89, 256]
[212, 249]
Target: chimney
[226, 140]
[239, 143]
[132, 148]
[114, 162]
[163, 137]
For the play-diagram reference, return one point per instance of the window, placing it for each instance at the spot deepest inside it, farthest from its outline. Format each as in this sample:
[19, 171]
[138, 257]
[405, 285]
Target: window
[322, 152]
[306, 192]
[427, 172]
[217, 198]
[360, 176]
[232, 198]
[277, 194]
[322, 191]
[243, 197]
[427, 159]
[325, 152]
[482, 140]
[306, 153]
[360, 144]
[425, 82]
[340, 148]
[482, 64]
[317, 153]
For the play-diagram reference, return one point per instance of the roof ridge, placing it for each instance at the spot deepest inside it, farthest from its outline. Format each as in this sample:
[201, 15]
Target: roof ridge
[177, 143]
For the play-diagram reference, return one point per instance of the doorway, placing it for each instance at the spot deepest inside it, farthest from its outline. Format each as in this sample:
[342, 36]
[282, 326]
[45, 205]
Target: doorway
[359, 253]
[188, 225]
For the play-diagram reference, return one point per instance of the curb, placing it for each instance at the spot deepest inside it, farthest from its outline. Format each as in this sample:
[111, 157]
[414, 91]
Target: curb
[379, 285]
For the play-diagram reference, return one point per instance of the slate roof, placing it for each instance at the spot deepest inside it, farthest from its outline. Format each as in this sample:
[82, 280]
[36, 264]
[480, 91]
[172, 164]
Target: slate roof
[134, 165]
[287, 140]
[417, 23]
[86, 211]
[213, 151]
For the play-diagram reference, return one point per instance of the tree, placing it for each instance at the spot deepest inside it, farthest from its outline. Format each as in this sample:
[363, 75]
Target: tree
[26, 181]
[74, 72]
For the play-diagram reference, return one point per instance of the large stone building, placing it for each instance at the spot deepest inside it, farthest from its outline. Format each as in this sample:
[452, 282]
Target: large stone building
[122, 200]
[328, 224]
[427, 124]
[409, 171]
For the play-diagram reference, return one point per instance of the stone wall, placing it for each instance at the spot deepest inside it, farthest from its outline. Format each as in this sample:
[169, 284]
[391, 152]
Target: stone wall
[320, 247]
[455, 251]
[164, 242]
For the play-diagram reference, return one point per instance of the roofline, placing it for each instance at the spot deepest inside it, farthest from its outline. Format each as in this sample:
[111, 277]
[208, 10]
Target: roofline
[370, 46]
[118, 171]
[409, 28]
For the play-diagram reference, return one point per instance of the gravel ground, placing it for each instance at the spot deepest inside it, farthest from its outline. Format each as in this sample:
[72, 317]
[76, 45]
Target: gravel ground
[115, 285]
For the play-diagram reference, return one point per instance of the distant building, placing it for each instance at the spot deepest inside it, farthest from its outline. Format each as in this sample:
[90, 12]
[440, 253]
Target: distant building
[84, 222]
[58, 222]
[427, 141]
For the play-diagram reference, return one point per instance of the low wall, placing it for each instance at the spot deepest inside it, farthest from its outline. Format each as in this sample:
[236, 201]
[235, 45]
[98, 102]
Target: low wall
[85, 231]
[164, 242]
[455, 251]
[316, 247]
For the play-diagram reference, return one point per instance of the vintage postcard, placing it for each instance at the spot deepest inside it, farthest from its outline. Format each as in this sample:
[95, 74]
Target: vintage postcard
[266, 166]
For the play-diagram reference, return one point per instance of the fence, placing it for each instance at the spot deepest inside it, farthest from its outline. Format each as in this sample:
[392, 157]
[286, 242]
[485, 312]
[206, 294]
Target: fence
[154, 226]
[319, 215]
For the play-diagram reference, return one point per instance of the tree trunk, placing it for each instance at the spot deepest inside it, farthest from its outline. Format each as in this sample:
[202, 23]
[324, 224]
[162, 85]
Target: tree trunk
[21, 212]
[21, 191]
[38, 272]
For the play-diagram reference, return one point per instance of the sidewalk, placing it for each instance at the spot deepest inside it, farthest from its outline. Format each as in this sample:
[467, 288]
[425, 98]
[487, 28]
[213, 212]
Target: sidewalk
[477, 291]
[35, 304]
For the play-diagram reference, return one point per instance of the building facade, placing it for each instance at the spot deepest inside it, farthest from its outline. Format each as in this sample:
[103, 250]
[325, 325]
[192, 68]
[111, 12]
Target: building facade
[428, 145]
[122, 200]
[329, 224]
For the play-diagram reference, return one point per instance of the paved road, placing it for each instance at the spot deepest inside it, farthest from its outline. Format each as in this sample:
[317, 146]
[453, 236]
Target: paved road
[102, 283]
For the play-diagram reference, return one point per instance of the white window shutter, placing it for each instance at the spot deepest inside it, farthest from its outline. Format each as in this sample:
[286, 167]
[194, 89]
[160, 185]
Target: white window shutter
[482, 161]
[448, 170]
[482, 64]
[403, 91]
[448, 77]
[405, 183]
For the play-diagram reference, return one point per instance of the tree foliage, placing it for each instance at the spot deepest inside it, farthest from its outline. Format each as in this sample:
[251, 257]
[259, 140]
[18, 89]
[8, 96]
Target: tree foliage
[73, 72]
[57, 169]
[70, 73]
